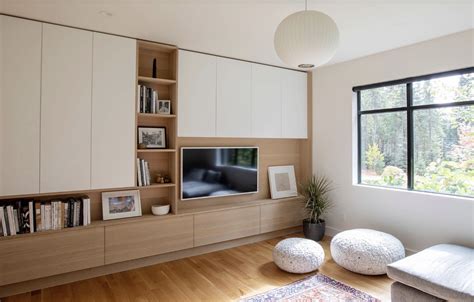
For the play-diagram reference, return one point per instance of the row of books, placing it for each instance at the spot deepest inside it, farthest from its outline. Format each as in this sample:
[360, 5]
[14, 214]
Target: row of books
[148, 100]
[22, 217]
[143, 173]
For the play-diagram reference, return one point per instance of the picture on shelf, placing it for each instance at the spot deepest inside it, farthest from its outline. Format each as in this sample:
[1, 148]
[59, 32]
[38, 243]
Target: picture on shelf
[164, 107]
[151, 137]
[282, 181]
[121, 204]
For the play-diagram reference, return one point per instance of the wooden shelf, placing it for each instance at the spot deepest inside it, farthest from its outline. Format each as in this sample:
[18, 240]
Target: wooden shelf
[156, 150]
[155, 115]
[156, 81]
[157, 186]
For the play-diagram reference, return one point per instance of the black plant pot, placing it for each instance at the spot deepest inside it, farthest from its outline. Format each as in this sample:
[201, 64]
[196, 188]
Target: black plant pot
[314, 231]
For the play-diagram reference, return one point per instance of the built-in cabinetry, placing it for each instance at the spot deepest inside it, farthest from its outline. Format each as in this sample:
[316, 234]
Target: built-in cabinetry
[223, 97]
[67, 109]
[20, 88]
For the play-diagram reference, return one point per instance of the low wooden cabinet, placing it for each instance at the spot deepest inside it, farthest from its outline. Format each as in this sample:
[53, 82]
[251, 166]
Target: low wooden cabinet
[148, 238]
[226, 225]
[28, 258]
[281, 215]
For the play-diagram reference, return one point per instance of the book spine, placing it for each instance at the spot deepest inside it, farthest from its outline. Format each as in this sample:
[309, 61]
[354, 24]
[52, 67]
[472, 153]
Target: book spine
[148, 180]
[138, 98]
[15, 219]
[139, 173]
[142, 167]
[2, 218]
[31, 211]
[38, 226]
[11, 220]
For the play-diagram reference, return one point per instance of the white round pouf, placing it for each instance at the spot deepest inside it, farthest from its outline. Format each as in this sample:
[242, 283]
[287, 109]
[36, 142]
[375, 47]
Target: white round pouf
[298, 255]
[366, 251]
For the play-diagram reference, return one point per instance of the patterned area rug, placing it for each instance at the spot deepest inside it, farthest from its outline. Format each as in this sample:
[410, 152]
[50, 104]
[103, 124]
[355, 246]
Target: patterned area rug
[315, 288]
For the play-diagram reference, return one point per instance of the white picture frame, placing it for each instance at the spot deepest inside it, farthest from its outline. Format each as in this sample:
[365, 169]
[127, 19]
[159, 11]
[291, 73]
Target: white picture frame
[282, 182]
[121, 204]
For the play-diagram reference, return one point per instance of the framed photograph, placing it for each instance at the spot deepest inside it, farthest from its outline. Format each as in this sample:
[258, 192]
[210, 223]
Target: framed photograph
[164, 107]
[282, 181]
[151, 137]
[121, 204]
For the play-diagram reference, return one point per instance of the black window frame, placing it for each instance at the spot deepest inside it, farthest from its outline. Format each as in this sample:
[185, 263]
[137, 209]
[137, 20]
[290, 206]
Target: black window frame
[409, 109]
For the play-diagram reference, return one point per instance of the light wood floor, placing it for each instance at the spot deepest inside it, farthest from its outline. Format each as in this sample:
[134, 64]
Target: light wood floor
[219, 276]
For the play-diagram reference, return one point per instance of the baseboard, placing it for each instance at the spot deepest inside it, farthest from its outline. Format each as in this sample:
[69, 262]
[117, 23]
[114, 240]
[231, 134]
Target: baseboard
[18, 288]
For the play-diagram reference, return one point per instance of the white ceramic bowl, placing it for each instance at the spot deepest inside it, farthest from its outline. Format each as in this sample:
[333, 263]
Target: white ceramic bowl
[158, 209]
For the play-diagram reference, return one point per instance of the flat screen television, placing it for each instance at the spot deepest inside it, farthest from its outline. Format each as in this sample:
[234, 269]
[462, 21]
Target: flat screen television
[215, 172]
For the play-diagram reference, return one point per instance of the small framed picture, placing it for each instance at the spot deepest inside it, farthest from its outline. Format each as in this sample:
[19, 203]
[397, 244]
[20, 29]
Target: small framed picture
[282, 181]
[121, 204]
[164, 107]
[151, 137]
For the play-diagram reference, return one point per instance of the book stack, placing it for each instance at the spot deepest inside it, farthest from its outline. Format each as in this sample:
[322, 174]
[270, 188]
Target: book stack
[143, 171]
[147, 100]
[22, 217]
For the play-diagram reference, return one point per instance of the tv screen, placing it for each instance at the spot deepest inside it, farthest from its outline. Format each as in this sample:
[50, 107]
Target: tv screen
[213, 172]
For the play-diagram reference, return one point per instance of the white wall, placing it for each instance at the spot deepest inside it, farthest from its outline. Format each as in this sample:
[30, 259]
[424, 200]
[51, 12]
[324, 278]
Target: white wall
[419, 220]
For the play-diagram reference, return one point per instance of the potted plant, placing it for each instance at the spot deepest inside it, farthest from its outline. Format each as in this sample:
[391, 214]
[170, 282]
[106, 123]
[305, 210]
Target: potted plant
[317, 203]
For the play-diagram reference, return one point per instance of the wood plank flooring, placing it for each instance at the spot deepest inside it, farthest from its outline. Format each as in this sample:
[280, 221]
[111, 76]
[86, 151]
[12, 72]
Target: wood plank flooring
[219, 276]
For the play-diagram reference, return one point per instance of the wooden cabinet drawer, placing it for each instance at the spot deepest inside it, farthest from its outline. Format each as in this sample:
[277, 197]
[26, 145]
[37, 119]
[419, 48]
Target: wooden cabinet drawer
[226, 225]
[43, 255]
[282, 215]
[143, 239]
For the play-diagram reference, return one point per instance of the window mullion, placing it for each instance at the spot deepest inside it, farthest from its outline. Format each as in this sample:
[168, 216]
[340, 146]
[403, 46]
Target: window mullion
[359, 141]
[410, 140]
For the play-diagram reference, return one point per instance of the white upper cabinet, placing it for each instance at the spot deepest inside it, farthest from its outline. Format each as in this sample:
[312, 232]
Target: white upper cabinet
[197, 95]
[234, 98]
[113, 112]
[20, 80]
[267, 101]
[294, 104]
[66, 109]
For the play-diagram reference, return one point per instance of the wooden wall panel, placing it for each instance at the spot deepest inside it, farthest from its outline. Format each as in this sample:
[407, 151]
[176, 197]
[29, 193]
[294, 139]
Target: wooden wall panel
[50, 254]
[226, 225]
[143, 239]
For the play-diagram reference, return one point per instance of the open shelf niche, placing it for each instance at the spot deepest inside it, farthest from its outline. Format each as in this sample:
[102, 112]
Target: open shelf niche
[160, 161]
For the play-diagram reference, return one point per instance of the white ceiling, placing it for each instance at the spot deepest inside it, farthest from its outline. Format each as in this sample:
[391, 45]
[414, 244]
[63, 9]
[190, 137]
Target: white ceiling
[244, 28]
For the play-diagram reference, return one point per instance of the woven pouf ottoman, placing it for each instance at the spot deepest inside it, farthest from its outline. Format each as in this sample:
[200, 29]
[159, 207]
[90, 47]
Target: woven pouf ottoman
[298, 255]
[366, 251]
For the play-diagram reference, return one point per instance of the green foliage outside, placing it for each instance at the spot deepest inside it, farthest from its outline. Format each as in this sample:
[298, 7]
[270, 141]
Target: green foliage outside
[443, 138]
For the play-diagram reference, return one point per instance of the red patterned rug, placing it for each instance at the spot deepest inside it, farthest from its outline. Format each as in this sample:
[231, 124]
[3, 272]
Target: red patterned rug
[315, 288]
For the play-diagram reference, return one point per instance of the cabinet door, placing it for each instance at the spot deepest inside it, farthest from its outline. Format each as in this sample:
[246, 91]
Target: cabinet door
[113, 112]
[281, 215]
[42, 255]
[294, 106]
[234, 98]
[20, 78]
[143, 239]
[66, 109]
[197, 95]
[226, 225]
[266, 98]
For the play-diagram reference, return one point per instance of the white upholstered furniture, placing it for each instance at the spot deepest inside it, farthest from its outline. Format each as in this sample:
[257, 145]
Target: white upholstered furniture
[443, 271]
[366, 251]
[298, 255]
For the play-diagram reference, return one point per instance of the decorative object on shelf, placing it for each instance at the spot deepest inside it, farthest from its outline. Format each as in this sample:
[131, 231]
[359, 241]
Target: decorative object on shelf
[162, 179]
[159, 210]
[152, 137]
[164, 107]
[366, 251]
[121, 204]
[154, 68]
[147, 99]
[282, 181]
[306, 39]
[317, 202]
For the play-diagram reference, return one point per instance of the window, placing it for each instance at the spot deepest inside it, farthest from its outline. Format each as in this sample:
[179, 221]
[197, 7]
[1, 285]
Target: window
[418, 133]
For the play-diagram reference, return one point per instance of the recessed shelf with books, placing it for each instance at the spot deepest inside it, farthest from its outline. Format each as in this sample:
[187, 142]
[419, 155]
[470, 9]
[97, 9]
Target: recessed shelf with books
[157, 68]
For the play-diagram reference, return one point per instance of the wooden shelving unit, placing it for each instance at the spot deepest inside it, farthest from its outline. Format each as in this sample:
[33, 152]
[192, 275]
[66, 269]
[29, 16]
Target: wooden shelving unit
[161, 161]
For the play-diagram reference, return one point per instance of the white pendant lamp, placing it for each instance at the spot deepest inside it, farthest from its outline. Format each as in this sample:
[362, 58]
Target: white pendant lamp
[306, 39]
